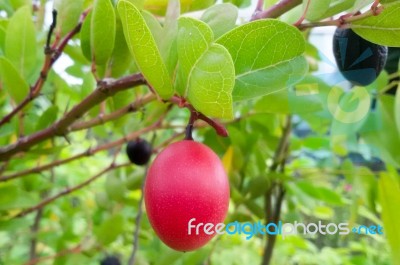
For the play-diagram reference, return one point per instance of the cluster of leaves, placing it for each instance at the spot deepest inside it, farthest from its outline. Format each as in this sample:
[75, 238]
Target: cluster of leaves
[253, 75]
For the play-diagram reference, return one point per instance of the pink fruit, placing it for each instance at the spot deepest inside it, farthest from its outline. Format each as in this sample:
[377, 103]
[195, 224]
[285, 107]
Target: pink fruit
[186, 181]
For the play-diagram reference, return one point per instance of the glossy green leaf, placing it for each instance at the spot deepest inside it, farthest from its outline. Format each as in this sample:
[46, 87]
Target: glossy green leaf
[389, 197]
[211, 83]
[20, 42]
[194, 38]
[85, 34]
[102, 35]
[12, 80]
[168, 46]
[68, 14]
[206, 70]
[316, 8]
[143, 47]
[383, 29]
[268, 56]
[221, 18]
[121, 57]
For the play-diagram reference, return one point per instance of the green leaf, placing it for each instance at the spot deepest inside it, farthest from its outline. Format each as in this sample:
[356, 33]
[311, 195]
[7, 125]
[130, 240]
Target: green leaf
[2, 39]
[19, 3]
[121, 57]
[221, 18]
[338, 6]
[268, 56]
[68, 14]
[143, 47]
[194, 38]
[385, 137]
[168, 46]
[47, 118]
[12, 80]
[20, 42]
[316, 8]
[389, 196]
[159, 7]
[239, 3]
[102, 35]
[397, 108]
[110, 229]
[308, 92]
[85, 37]
[211, 83]
[383, 29]
[320, 193]
[206, 70]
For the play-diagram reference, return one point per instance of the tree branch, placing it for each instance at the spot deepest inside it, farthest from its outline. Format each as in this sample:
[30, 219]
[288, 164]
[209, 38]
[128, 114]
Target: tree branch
[276, 10]
[272, 213]
[139, 217]
[67, 191]
[51, 56]
[76, 249]
[89, 152]
[61, 127]
[101, 119]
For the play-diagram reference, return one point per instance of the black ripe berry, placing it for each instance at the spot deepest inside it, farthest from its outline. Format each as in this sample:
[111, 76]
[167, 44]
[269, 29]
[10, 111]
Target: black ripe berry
[139, 151]
[359, 60]
[110, 260]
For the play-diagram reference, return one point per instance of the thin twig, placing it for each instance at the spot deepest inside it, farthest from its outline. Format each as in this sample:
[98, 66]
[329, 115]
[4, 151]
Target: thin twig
[102, 119]
[61, 127]
[68, 191]
[74, 250]
[277, 10]
[89, 152]
[276, 192]
[51, 56]
[139, 216]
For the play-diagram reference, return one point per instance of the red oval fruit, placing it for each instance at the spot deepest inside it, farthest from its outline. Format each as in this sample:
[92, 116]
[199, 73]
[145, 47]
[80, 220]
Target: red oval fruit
[186, 181]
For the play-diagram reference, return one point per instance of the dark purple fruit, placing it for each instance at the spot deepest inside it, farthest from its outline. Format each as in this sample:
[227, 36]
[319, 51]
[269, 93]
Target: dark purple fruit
[359, 60]
[139, 151]
[110, 260]
[392, 66]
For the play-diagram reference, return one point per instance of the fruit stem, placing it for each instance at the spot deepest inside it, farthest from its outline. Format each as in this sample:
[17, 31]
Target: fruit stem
[189, 128]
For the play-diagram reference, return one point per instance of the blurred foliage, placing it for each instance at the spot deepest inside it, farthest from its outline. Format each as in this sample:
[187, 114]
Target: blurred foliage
[335, 171]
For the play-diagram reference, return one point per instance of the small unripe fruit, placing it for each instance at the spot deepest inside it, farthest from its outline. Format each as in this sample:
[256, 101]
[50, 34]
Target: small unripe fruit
[186, 180]
[110, 260]
[359, 60]
[139, 151]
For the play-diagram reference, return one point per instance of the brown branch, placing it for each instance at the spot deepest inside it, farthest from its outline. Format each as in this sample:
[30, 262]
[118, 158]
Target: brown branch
[87, 153]
[61, 127]
[101, 119]
[51, 56]
[276, 191]
[276, 10]
[68, 191]
[195, 115]
[34, 231]
[139, 217]
[76, 249]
